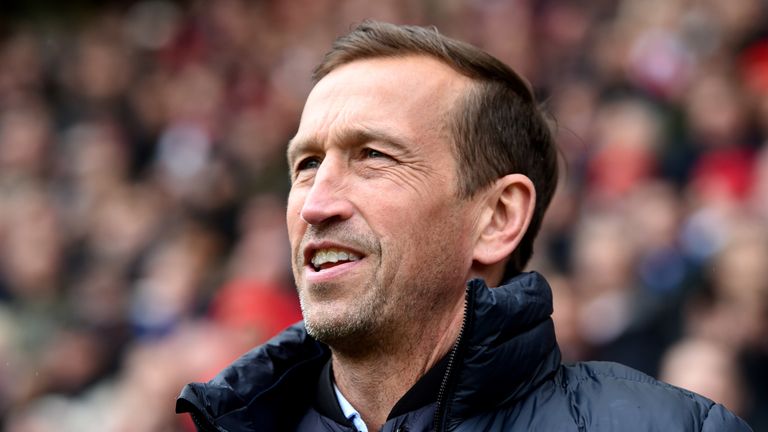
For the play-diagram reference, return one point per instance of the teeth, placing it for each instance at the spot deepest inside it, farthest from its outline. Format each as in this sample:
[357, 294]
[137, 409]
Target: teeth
[332, 256]
[320, 257]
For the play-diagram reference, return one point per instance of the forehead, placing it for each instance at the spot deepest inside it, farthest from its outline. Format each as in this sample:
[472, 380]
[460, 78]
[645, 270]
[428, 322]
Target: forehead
[412, 96]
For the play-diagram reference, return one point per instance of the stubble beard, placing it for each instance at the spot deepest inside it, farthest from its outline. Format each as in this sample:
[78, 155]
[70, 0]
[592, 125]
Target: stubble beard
[354, 329]
[381, 319]
[351, 329]
[386, 314]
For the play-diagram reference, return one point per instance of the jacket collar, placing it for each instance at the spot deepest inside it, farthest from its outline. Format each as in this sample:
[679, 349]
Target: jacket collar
[510, 347]
[507, 350]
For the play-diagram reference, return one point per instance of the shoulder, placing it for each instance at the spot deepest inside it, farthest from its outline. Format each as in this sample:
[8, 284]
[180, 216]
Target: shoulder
[607, 395]
[269, 383]
[260, 369]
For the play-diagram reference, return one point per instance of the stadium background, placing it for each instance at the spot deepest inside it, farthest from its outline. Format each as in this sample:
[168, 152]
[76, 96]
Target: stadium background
[143, 185]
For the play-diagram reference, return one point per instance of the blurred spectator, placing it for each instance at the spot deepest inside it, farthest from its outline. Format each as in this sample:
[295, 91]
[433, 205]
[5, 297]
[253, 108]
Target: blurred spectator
[706, 368]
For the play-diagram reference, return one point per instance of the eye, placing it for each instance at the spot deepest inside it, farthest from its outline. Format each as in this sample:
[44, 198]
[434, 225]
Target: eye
[308, 163]
[374, 154]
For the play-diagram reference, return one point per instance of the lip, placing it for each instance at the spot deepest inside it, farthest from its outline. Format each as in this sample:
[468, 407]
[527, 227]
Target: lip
[334, 272]
[313, 275]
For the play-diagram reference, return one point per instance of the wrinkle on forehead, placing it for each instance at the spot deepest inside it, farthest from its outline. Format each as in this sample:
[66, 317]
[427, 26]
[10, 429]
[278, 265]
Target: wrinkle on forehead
[418, 92]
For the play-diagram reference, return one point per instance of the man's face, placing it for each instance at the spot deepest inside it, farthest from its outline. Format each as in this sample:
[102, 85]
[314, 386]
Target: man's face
[379, 238]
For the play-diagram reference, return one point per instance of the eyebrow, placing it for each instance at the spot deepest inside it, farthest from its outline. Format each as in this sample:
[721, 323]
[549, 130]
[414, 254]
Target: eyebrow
[351, 137]
[295, 148]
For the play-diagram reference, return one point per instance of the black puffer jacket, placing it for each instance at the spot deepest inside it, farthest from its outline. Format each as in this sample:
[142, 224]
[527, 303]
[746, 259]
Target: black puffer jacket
[504, 374]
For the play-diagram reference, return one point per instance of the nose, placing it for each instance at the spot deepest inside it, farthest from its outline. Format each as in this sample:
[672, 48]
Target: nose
[327, 199]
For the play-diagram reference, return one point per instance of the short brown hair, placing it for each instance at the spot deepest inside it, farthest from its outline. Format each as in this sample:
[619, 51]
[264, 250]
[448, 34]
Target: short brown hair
[499, 129]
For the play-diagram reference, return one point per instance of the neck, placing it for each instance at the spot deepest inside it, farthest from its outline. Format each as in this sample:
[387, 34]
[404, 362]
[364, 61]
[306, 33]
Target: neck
[374, 382]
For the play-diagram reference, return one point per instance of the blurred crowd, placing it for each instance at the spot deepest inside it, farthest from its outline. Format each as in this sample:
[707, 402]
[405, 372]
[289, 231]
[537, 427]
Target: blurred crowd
[143, 187]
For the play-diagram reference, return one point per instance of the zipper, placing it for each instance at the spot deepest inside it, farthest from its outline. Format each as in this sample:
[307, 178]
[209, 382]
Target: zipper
[452, 359]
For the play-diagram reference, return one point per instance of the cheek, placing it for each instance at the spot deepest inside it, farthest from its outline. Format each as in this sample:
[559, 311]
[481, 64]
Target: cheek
[293, 217]
[427, 230]
[447, 231]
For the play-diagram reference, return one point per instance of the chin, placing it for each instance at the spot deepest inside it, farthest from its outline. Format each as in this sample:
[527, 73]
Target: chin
[340, 329]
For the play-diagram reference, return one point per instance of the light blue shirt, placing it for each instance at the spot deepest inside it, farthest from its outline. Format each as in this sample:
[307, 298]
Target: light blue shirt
[349, 411]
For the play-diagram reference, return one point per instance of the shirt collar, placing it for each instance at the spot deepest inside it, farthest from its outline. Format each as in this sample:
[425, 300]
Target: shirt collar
[349, 411]
[421, 394]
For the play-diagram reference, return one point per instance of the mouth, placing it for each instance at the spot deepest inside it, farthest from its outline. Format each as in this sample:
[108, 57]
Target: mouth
[328, 257]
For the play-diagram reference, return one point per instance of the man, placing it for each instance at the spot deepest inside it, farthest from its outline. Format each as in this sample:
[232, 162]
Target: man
[421, 171]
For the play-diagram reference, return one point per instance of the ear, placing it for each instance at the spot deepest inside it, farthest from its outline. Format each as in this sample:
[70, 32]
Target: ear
[508, 212]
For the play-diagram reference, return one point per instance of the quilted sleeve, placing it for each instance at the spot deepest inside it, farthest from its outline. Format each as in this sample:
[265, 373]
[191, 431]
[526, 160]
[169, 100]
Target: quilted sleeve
[719, 419]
